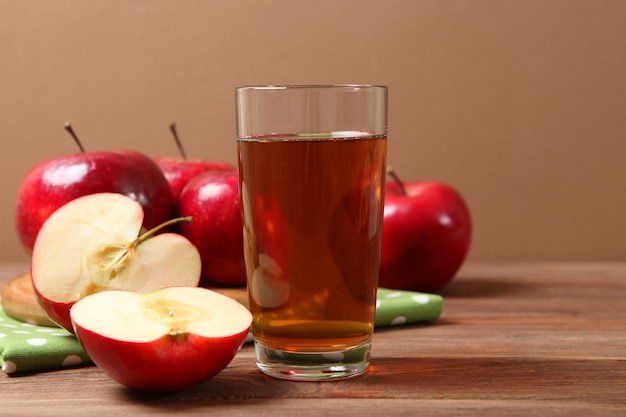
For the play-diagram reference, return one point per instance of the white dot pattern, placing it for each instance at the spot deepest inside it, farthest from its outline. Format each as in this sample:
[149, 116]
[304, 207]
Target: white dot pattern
[72, 360]
[37, 341]
[396, 307]
[421, 298]
[53, 347]
[9, 367]
[398, 321]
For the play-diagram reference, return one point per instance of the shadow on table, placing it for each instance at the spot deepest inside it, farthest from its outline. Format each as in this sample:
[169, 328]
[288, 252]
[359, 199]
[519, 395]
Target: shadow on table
[238, 388]
[387, 377]
[479, 287]
[231, 388]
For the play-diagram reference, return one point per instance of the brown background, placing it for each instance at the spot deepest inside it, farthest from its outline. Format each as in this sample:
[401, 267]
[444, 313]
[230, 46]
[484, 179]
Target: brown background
[519, 104]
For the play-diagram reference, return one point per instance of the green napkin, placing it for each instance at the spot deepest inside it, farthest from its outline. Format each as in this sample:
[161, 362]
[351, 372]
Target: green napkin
[27, 348]
[394, 307]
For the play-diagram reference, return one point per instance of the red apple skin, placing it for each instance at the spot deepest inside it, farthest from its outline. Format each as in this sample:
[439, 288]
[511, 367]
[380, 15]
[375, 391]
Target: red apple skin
[168, 364]
[426, 236]
[178, 172]
[53, 182]
[212, 199]
[58, 312]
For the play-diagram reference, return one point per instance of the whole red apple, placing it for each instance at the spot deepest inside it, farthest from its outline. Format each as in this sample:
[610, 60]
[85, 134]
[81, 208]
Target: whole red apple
[212, 199]
[53, 182]
[427, 231]
[163, 341]
[179, 170]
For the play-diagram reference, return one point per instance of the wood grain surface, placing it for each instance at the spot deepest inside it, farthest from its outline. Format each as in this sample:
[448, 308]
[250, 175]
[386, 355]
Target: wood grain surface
[514, 339]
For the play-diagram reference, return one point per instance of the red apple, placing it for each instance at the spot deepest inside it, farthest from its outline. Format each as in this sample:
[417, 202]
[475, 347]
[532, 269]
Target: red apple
[212, 199]
[427, 231]
[164, 341]
[53, 182]
[179, 170]
[94, 243]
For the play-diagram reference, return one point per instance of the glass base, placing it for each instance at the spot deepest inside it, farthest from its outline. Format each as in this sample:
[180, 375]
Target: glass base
[318, 366]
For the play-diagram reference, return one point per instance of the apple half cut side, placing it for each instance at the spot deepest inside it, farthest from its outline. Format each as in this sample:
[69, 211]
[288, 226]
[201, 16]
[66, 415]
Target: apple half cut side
[164, 341]
[95, 243]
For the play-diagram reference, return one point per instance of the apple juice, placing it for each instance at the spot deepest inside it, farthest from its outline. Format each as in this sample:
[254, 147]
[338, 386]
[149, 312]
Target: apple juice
[312, 216]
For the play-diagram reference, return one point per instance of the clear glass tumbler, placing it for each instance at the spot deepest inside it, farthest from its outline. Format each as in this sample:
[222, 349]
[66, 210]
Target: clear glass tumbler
[312, 172]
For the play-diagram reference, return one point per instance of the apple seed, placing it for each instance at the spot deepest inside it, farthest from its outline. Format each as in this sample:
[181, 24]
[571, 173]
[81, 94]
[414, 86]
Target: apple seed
[172, 313]
[107, 261]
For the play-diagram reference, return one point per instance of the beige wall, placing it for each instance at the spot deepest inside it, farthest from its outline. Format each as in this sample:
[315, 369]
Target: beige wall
[519, 104]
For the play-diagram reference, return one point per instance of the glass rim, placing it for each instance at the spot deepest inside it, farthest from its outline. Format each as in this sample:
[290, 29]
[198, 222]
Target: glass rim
[277, 87]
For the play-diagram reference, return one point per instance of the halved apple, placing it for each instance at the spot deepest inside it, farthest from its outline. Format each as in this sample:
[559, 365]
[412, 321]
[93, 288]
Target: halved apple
[164, 341]
[95, 243]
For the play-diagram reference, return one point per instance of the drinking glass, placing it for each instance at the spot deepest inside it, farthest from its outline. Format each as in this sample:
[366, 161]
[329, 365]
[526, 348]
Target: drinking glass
[312, 172]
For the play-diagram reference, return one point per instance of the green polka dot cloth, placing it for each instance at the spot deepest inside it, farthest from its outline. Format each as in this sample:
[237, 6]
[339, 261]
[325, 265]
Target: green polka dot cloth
[395, 307]
[25, 347]
[28, 348]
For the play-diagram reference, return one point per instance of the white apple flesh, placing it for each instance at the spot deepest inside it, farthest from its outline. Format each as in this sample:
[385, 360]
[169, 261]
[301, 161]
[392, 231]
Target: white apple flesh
[93, 244]
[164, 341]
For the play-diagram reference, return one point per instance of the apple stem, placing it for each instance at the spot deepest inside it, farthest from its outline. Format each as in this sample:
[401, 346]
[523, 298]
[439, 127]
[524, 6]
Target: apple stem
[162, 226]
[178, 142]
[126, 252]
[397, 179]
[69, 128]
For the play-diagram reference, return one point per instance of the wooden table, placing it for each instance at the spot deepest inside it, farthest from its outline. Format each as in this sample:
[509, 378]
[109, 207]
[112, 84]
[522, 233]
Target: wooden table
[514, 339]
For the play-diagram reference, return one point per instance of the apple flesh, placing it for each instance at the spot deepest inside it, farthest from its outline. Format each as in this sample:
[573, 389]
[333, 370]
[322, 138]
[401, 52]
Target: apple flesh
[427, 232]
[53, 182]
[164, 341]
[94, 243]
